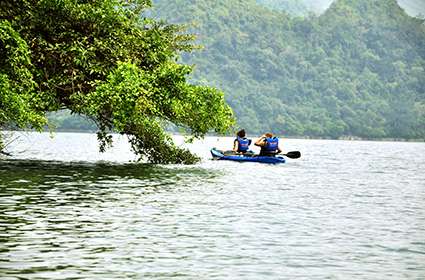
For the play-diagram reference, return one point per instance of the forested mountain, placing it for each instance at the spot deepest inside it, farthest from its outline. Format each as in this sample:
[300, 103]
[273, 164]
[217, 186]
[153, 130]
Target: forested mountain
[356, 70]
[304, 7]
[65, 121]
[292, 7]
[297, 7]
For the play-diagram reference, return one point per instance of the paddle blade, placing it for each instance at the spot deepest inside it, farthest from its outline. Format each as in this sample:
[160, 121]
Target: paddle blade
[293, 154]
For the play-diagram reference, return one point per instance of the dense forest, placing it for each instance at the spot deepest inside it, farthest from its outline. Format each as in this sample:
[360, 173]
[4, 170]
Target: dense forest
[291, 7]
[305, 7]
[297, 7]
[356, 70]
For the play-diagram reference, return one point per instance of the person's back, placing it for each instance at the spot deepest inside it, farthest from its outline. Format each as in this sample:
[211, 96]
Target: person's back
[241, 143]
[269, 145]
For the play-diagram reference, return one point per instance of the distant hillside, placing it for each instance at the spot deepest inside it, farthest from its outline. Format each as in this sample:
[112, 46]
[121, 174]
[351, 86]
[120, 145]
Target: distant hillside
[292, 7]
[357, 70]
[64, 121]
[303, 7]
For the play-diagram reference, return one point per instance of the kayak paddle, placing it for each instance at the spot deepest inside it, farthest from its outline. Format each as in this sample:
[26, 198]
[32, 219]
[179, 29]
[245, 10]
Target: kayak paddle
[293, 154]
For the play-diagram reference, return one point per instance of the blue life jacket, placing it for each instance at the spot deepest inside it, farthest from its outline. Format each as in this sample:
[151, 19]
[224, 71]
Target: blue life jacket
[272, 144]
[243, 144]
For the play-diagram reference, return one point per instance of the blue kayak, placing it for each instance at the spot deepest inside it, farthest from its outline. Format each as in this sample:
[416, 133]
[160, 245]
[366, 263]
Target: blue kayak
[217, 154]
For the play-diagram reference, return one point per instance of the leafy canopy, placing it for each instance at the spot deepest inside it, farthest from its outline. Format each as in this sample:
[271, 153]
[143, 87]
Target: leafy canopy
[105, 60]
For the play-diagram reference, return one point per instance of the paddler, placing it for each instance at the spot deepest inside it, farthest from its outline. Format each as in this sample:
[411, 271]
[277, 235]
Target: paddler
[241, 143]
[269, 145]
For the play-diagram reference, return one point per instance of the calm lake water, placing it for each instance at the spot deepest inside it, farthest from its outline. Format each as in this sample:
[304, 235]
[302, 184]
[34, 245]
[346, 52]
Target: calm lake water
[345, 210]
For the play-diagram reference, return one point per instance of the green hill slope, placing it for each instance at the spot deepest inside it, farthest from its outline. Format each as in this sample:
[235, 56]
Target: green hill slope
[357, 70]
[303, 7]
[292, 7]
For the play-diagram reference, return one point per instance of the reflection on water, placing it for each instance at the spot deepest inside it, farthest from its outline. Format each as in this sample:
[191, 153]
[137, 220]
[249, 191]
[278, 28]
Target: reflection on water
[54, 172]
[346, 210]
[45, 181]
[59, 216]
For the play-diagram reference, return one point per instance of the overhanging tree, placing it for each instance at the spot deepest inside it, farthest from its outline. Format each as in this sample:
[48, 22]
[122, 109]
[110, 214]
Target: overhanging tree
[103, 59]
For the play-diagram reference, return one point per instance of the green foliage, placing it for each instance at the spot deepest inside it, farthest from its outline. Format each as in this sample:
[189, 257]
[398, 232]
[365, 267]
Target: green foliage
[356, 70]
[104, 60]
[16, 81]
[414, 8]
[292, 7]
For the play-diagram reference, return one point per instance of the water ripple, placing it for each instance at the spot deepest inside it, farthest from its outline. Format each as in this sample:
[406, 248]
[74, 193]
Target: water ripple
[333, 214]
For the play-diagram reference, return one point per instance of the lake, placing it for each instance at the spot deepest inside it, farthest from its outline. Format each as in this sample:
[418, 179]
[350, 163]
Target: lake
[344, 210]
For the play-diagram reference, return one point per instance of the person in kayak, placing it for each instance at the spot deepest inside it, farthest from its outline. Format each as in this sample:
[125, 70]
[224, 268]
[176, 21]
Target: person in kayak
[269, 145]
[241, 143]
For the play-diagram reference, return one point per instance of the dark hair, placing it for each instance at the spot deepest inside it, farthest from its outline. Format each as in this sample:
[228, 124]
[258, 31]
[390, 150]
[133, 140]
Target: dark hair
[268, 134]
[241, 133]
